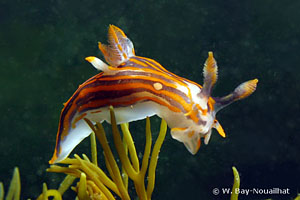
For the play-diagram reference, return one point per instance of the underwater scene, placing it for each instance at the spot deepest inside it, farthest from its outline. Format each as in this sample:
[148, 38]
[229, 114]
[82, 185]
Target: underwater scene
[202, 100]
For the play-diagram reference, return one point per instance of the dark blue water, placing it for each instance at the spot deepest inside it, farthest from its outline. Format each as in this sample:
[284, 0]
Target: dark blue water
[42, 49]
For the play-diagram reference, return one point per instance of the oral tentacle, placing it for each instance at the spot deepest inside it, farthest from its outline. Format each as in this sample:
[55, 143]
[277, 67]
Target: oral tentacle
[219, 128]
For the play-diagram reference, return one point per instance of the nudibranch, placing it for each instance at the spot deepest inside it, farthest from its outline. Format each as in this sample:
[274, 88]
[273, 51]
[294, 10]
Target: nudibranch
[138, 87]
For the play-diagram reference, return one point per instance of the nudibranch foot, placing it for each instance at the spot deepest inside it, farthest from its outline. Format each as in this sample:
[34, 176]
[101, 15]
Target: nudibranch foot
[188, 137]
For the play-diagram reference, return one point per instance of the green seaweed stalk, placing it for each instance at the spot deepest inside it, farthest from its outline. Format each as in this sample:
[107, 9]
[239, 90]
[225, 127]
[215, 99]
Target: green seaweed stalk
[14, 189]
[96, 183]
[236, 184]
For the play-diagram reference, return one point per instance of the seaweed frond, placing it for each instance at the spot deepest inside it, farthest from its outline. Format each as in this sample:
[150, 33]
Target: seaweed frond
[94, 183]
[236, 184]
[49, 193]
[14, 189]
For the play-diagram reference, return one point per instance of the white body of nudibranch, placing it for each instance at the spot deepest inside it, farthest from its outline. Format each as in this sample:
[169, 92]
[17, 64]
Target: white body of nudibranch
[139, 87]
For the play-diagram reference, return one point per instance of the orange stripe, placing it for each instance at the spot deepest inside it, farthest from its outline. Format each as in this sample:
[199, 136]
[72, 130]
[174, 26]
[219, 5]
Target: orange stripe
[67, 116]
[98, 111]
[211, 102]
[151, 60]
[192, 114]
[177, 97]
[180, 82]
[151, 71]
[174, 109]
[173, 96]
[188, 107]
[111, 32]
[178, 129]
[191, 134]
[105, 102]
[198, 144]
[118, 30]
[157, 68]
[119, 47]
[125, 55]
[204, 111]
[138, 62]
[124, 77]
[78, 119]
[164, 69]
[103, 49]
[170, 73]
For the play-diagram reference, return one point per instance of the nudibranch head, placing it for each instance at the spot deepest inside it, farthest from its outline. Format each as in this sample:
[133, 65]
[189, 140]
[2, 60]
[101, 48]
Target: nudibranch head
[205, 107]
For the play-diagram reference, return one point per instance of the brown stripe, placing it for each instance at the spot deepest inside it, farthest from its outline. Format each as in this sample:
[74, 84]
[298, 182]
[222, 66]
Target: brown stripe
[145, 80]
[114, 94]
[150, 63]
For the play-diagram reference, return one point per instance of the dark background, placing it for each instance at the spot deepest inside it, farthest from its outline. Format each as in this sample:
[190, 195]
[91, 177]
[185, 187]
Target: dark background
[42, 49]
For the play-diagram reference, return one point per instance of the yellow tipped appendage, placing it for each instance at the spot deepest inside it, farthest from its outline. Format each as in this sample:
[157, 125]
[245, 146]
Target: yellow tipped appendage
[90, 58]
[97, 63]
[246, 89]
[219, 128]
[210, 71]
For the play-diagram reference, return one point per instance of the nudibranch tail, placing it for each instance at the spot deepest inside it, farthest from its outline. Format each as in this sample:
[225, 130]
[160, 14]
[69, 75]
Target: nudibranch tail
[67, 140]
[119, 49]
